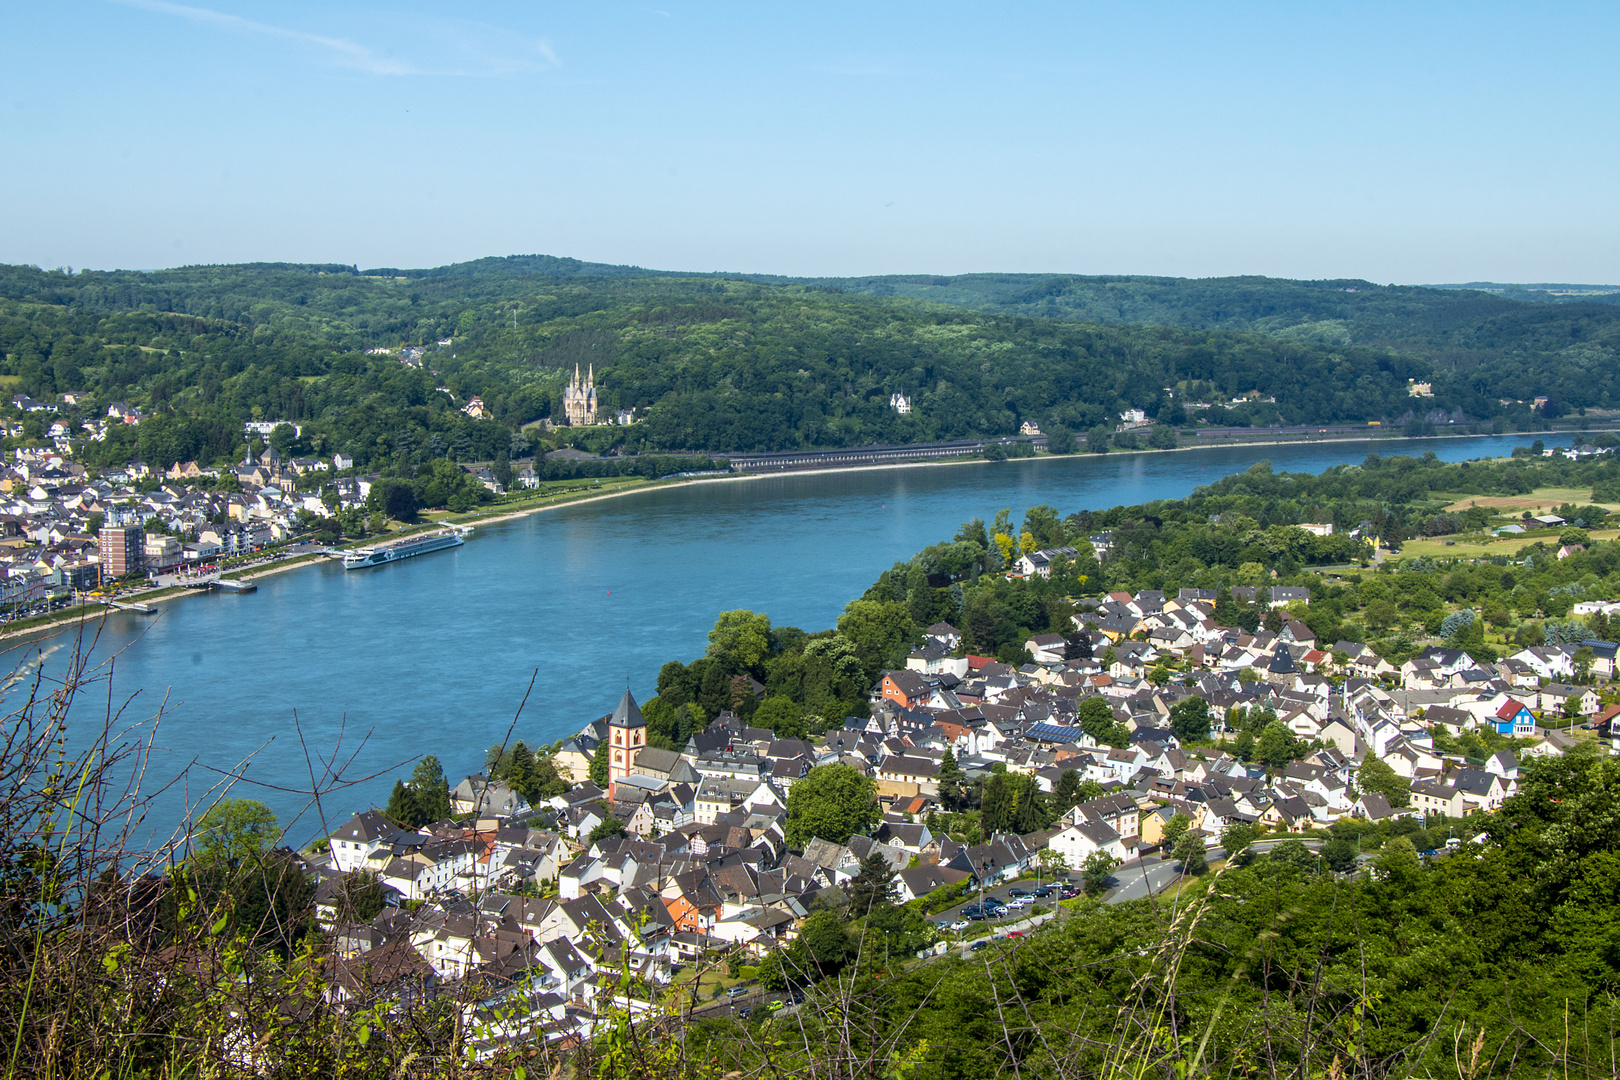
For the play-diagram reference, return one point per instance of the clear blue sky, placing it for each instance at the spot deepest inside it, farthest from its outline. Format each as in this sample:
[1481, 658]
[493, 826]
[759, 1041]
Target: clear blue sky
[1398, 142]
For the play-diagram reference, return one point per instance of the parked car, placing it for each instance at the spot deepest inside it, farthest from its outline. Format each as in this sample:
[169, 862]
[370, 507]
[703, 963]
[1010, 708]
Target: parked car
[1017, 892]
[960, 925]
[1044, 891]
[1022, 902]
[1015, 933]
[1069, 893]
[980, 944]
[735, 992]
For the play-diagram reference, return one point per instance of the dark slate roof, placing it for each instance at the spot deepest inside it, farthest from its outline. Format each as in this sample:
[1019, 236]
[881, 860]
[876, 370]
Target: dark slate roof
[627, 714]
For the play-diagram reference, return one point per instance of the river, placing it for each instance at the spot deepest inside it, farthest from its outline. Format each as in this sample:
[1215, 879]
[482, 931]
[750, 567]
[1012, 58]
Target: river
[433, 655]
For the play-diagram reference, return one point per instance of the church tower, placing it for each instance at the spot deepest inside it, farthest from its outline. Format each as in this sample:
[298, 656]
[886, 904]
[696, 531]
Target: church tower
[627, 734]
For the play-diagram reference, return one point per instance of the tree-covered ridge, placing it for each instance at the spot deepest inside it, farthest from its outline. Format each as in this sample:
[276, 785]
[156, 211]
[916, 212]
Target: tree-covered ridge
[731, 364]
[1459, 328]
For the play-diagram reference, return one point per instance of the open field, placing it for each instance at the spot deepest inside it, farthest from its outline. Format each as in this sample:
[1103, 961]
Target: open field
[1473, 547]
[1539, 501]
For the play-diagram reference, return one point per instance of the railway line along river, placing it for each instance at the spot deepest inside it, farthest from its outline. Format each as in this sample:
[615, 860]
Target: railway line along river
[434, 654]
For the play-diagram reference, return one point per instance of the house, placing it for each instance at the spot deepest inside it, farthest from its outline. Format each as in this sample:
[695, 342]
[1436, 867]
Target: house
[1077, 843]
[919, 881]
[1039, 563]
[485, 797]
[1432, 797]
[1583, 700]
[1048, 648]
[1515, 719]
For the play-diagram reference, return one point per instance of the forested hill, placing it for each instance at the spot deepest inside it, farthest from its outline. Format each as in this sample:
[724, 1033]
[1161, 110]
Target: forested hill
[730, 363]
[1458, 328]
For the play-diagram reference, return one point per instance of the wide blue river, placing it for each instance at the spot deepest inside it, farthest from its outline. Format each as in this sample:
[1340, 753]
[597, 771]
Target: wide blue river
[433, 655]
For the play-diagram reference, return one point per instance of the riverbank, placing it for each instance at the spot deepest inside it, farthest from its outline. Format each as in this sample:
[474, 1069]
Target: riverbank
[617, 488]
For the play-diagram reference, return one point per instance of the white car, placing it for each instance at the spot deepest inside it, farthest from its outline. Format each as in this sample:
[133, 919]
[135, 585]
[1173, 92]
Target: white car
[960, 924]
[1022, 902]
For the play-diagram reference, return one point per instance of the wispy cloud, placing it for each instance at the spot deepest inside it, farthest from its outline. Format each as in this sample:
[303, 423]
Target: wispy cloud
[356, 56]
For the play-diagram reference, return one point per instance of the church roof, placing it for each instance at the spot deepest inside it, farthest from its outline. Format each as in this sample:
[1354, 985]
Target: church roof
[627, 714]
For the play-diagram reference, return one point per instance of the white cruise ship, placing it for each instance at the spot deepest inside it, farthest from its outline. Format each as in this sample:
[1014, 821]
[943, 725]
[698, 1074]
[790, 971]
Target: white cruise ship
[395, 550]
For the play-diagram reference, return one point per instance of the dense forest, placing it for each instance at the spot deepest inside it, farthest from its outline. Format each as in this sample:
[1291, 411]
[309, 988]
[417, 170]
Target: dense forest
[1504, 343]
[716, 363]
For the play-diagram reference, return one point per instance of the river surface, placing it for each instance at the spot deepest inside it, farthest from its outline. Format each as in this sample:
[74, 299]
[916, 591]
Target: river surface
[434, 655]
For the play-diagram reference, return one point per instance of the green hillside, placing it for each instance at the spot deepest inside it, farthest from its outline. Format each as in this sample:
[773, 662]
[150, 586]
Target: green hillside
[718, 363]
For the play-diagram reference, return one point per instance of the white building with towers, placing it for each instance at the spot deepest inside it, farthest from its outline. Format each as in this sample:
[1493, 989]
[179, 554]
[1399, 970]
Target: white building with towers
[579, 398]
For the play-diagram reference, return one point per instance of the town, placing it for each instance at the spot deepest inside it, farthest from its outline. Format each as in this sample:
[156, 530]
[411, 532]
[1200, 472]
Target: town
[551, 874]
[69, 529]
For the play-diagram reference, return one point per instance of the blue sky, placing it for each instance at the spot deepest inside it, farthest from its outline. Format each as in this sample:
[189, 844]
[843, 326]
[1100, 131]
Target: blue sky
[1397, 142]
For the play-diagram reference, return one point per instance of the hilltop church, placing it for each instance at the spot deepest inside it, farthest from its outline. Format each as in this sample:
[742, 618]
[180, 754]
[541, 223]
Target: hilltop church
[579, 399]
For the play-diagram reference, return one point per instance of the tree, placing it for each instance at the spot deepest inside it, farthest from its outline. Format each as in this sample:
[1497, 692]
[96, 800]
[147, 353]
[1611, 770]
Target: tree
[997, 804]
[1174, 830]
[1277, 746]
[1381, 615]
[235, 831]
[1066, 792]
[780, 715]
[1029, 809]
[282, 437]
[1583, 664]
[1189, 719]
[950, 781]
[1097, 871]
[429, 790]
[1060, 440]
[360, 896]
[598, 773]
[396, 498]
[740, 640]
[1340, 854]
[826, 943]
[1237, 838]
[832, 802]
[1097, 440]
[1375, 775]
[1295, 854]
[872, 886]
[1097, 720]
[1189, 853]
[610, 826]
[401, 807]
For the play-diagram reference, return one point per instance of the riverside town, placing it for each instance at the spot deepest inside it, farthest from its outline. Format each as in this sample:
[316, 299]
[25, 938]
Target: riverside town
[731, 850]
[788, 542]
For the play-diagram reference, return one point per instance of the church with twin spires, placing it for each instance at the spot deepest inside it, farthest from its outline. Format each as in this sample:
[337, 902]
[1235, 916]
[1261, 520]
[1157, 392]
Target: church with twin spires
[579, 398]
